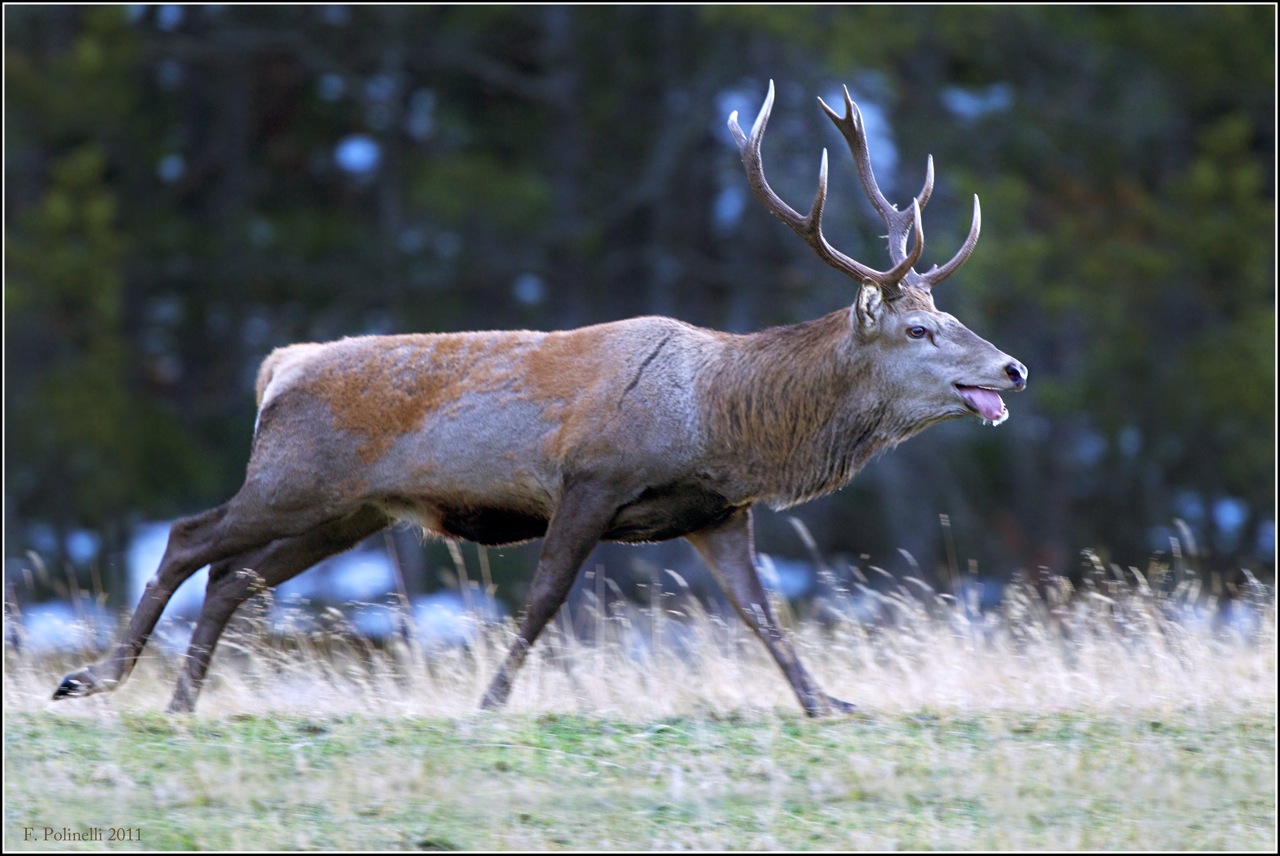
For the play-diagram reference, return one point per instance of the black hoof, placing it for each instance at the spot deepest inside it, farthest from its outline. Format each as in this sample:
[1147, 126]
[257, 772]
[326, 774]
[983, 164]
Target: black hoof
[77, 685]
[831, 707]
[69, 688]
[838, 706]
[491, 702]
[181, 705]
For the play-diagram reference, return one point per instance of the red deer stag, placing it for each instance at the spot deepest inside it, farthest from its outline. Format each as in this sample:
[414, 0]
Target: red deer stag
[637, 430]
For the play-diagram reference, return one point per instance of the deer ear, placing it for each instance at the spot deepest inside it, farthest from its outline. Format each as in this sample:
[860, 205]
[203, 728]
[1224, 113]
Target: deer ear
[867, 308]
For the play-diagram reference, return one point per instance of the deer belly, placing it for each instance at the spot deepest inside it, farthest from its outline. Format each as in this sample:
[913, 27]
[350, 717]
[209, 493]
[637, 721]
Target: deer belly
[492, 526]
[658, 514]
[669, 511]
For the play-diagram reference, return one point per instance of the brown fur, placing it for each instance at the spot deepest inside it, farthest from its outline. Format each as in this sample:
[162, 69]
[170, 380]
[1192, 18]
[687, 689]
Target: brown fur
[382, 387]
[784, 403]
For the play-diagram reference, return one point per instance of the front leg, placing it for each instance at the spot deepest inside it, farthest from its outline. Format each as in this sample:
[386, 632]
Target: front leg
[727, 549]
[581, 518]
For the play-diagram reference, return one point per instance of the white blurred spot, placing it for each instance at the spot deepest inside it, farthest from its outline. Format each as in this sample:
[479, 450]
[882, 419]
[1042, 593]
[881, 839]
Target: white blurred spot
[170, 168]
[357, 153]
[974, 103]
[529, 289]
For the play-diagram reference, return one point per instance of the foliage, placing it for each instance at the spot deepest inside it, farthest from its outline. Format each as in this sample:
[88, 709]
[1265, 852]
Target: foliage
[88, 444]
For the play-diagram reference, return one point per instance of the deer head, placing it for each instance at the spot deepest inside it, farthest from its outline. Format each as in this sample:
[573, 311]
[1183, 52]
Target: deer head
[943, 369]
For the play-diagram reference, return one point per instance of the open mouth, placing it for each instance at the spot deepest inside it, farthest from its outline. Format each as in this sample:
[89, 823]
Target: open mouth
[984, 401]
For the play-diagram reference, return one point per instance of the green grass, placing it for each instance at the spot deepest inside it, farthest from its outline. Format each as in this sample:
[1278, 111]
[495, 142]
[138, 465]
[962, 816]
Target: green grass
[1091, 723]
[577, 782]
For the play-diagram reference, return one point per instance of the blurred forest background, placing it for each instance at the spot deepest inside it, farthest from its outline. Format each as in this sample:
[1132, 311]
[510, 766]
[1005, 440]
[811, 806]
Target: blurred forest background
[187, 187]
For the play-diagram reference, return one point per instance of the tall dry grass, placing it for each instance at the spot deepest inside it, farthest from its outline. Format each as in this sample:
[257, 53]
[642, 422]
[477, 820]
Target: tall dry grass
[1119, 643]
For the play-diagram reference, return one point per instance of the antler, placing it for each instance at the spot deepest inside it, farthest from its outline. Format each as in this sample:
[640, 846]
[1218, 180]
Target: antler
[900, 223]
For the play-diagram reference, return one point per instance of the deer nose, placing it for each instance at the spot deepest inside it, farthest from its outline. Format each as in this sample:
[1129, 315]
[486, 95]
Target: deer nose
[1017, 373]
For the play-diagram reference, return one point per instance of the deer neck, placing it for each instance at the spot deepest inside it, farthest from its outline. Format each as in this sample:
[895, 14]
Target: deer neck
[794, 412]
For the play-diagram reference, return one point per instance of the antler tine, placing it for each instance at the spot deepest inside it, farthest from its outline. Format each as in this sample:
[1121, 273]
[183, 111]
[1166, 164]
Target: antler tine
[749, 149]
[937, 274]
[853, 128]
[809, 227]
[927, 191]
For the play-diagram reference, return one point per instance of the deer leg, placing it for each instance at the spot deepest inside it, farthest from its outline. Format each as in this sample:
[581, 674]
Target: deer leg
[728, 550]
[579, 521]
[238, 526]
[235, 580]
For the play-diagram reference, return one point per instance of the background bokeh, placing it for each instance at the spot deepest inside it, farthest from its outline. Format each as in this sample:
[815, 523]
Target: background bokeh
[187, 187]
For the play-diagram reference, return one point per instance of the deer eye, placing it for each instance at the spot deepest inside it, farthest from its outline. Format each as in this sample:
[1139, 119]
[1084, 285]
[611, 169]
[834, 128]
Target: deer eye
[917, 332]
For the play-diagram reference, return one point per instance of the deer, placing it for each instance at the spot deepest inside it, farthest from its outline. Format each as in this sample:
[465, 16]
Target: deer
[638, 430]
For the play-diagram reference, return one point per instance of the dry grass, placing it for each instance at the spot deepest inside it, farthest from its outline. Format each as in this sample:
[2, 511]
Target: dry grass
[1096, 721]
[1115, 647]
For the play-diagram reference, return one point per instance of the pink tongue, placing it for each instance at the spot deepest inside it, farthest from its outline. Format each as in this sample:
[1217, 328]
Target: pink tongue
[985, 401]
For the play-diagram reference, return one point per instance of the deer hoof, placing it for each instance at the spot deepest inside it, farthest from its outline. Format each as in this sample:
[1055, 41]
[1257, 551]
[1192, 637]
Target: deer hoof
[493, 701]
[182, 702]
[830, 706]
[79, 684]
[841, 707]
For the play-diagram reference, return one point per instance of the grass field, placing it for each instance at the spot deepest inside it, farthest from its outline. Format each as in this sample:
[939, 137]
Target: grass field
[1100, 724]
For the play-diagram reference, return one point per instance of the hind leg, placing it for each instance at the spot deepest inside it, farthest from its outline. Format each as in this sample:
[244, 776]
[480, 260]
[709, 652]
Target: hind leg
[235, 580]
[244, 524]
